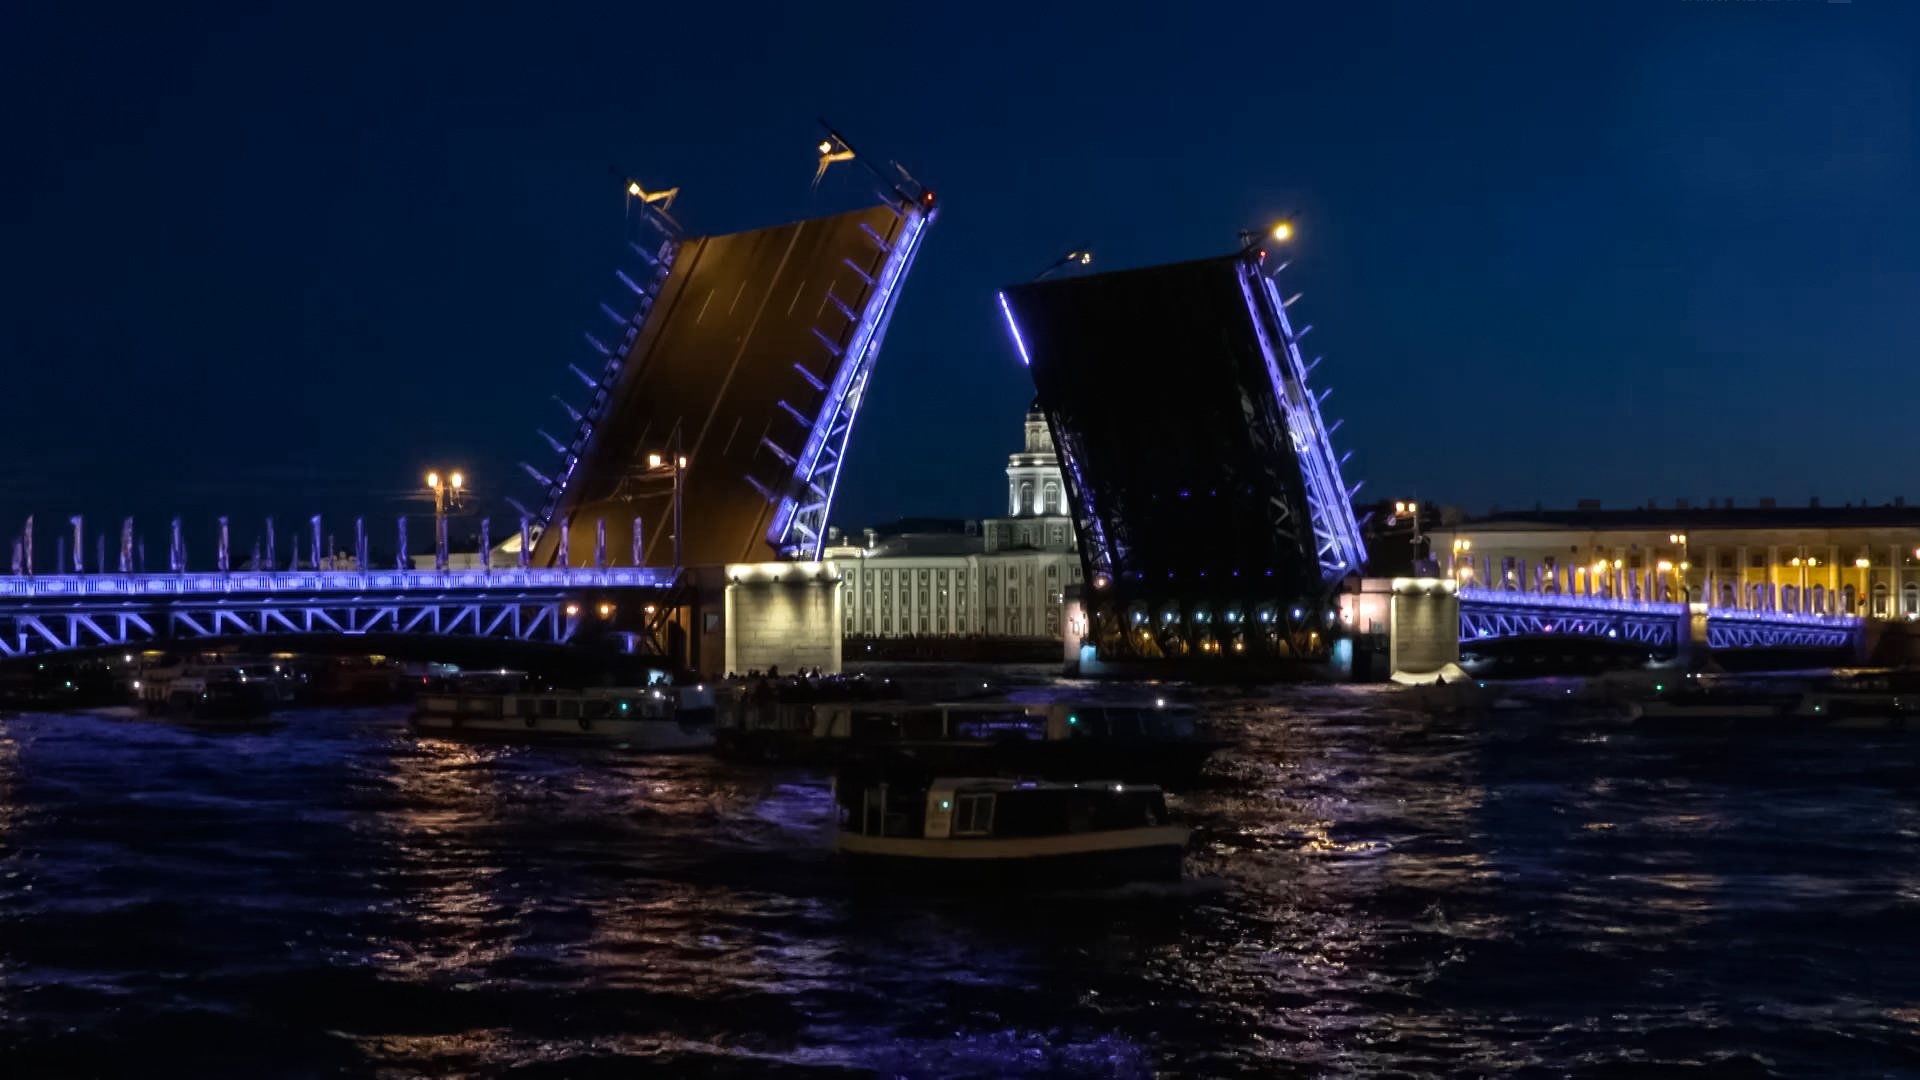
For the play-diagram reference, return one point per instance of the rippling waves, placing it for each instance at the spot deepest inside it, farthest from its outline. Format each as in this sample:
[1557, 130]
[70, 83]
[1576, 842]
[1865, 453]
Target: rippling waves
[1371, 892]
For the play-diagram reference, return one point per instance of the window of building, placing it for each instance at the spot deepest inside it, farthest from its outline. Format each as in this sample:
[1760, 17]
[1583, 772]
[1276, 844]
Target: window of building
[1880, 595]
[1073, 573]
[1053, 570]
[1633, 562]
[1013, 597]
[1726, 562]
[866, 624]
[1026, 498]
[1910, 594]
[923, 623]
[1757, 562]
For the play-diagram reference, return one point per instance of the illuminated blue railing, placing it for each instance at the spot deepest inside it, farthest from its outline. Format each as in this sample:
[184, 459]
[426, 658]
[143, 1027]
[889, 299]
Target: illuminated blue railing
[245, 582]
[1336, 533]
[613, 360]
[800, 522]
[1568, 601]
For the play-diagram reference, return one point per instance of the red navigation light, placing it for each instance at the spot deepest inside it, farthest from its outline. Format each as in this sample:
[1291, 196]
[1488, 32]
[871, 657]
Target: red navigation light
[926, 197]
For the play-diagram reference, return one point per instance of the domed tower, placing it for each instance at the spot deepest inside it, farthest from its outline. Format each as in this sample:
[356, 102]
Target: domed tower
[1033, 474]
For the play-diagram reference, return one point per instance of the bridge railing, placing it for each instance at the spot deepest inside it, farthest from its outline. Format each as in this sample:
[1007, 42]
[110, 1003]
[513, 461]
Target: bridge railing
[1570, 601]
[256, 583]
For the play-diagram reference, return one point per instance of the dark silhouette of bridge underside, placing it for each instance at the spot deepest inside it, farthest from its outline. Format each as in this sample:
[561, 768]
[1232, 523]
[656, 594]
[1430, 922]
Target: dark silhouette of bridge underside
[1175, 451]
[733, 366]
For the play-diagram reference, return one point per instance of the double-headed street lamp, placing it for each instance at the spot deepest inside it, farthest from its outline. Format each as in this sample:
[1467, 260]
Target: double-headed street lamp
[674, 464]
[447, 494]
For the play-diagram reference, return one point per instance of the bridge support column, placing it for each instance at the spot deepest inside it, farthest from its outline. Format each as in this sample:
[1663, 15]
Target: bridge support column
[1423, 629]
[783, 615]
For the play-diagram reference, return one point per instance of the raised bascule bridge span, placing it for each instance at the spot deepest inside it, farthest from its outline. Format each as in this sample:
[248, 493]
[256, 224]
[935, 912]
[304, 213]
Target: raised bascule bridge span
[685, 515]
[1216, 528]
[1214, 522]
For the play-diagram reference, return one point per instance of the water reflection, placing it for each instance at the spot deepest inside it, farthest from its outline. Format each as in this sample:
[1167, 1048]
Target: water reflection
[1373, 890]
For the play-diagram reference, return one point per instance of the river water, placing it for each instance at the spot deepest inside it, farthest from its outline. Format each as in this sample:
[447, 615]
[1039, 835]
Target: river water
[1370, 892]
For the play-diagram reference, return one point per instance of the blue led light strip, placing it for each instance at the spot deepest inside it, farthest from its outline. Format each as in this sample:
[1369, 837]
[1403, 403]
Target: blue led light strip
[616, 359]
[799, 528]
[1018, 341]
[1336, 533]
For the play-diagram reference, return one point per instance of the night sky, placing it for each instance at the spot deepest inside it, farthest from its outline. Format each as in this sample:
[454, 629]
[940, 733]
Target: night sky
[281, 263]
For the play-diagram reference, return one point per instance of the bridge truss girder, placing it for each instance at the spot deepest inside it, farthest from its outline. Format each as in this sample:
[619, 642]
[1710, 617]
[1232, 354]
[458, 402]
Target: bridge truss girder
[1483, 624]
[543, 620]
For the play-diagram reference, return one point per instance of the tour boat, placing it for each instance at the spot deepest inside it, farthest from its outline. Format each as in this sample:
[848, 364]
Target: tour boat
[1155, 743]
[1826, 703]
[638, 718]
[986, 831]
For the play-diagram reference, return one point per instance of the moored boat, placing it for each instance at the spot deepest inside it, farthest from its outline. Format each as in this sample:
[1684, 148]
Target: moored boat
[975, 831]
[638, 718]
[1155, 743]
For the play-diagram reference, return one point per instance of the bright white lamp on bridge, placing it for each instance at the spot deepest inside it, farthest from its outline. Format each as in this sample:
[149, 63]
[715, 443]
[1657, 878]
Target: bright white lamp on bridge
[653, 461]
[456, 480]
[1283, 231]
[433, 480]
[1863, 563]
[633, 188]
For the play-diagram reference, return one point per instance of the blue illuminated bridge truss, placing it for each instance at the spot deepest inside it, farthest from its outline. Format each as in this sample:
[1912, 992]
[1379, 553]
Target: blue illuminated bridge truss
[62, 613]
[1733, 628]
[1492, 614]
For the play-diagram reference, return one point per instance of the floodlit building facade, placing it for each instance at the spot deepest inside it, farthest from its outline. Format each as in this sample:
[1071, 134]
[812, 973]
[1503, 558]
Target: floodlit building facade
[1845, 560]
[1000, 578]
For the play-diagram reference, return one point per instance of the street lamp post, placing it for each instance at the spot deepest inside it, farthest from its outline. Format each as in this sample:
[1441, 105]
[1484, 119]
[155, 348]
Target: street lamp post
[1685, 583]
[674, 463]
[447, 494]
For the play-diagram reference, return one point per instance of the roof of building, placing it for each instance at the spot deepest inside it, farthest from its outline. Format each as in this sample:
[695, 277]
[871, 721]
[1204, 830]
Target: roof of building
[1718, 517]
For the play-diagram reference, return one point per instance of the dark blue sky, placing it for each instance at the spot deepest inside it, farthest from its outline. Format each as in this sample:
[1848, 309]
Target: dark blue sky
[282, 262]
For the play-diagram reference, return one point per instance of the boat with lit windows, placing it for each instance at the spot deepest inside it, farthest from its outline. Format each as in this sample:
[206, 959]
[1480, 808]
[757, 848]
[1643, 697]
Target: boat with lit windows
[1157, 743]
[636, 718]
[996, 832]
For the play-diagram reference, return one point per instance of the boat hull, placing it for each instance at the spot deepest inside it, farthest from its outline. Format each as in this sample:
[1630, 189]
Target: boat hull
[1074, 860]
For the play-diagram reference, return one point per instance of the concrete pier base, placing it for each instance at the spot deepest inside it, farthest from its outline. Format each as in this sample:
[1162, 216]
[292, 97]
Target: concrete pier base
[783, 615]
[1424, 628]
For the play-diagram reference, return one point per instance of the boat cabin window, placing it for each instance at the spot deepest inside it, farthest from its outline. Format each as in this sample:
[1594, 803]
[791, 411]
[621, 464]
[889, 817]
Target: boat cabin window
[595, 708]
[973, 815]
[525, 707]
[549, 707]
[570, 710]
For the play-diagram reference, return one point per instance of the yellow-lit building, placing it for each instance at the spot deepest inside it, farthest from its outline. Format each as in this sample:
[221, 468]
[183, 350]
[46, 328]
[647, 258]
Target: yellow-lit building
[1838, 560]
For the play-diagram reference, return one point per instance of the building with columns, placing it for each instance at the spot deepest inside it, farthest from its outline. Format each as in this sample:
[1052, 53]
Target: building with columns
[1844, 560]
[1000, 578]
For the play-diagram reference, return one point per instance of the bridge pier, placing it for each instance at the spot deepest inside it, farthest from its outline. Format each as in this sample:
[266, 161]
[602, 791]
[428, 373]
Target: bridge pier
[783, 615]
[1423, 628]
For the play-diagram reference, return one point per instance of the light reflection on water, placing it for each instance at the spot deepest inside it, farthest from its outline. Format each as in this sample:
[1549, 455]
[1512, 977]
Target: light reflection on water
[1371, 891]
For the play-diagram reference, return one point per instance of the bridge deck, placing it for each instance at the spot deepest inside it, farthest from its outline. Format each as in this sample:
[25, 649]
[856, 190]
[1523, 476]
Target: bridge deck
[1175, 450]
[737, 363]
